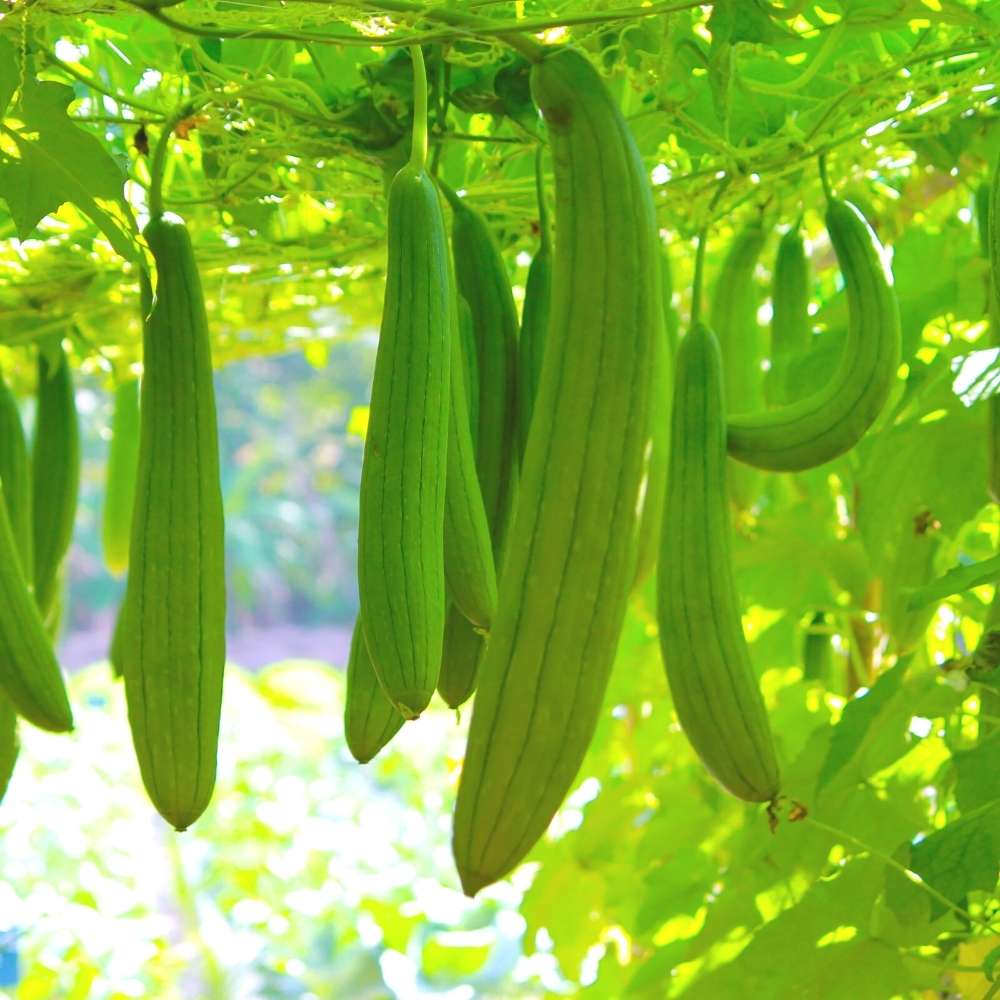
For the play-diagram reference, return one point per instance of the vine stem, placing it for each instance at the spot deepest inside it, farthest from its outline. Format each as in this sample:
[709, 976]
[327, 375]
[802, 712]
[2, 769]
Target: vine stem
[823, 178]
[418, 151]
[159, 162]
[902, 869]
[699, 260]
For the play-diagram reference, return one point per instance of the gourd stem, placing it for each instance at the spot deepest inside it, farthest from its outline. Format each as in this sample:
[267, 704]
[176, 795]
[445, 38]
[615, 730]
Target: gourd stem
[158, 164]
[418, 152]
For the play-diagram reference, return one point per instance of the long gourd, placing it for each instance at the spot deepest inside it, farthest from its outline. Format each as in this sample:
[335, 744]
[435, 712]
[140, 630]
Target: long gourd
[55, 475]
[119, 482]
[402, 507]
[571, 557]
[461, 654]
[484, 283]
[715, 692]
[15, 475]
[657, 453]
[370, 719]
[829, 422]
[791, 329]
[173, 648]
[470, 572]
[993, 229]
[534, 313]
[735, 301]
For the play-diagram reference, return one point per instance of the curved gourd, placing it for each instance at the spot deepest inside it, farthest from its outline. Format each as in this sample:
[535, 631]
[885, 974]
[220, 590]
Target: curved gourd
[534, 314]
[173, 648]
[831, 421]
[55, 473]
[29, 671]
[370, 719]
[404, 472]
[715, 691]
[571, 555]
[470, 370]
[119, 483]
[485, 285]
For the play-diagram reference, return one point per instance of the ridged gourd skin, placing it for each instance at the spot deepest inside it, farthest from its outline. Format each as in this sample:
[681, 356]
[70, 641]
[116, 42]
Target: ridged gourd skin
[715, 692]
[485, 285]
[55, 473]
[10, 745]
[462, 645]
[534, 316]
[470, 370]
[173, 649]
[29, 671]
[461, 655]
[469, 569]
[658, 441]
[15, 475]
[119, 482]
[791, 328]
[734, 305]
[571, 559]
[829, 422]
[402, 506]
[370, 719]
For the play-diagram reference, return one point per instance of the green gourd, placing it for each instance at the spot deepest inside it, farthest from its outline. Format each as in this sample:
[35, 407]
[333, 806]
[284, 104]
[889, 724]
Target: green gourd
[470, 371]
[173, 649]
[402, 506]
[984, 225]
[829, 422]
[484, 283]
[658, 438]
[15, 475]
[735, 301]
[370, 719]
[993, 231]
[29, 671]
[791, 329]
[470, 572]
[55, 473]
[715, 691]
[572, 545]
[534, 313]
[119, 483]
[461, 654]
[9, 744]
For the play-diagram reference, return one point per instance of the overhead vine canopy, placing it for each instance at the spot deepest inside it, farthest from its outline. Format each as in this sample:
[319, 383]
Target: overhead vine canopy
[293, 115]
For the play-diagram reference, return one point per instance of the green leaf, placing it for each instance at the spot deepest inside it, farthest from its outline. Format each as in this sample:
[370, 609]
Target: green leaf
[821, 939]
[10, 71]
[857, 724]
[958, 859]
[59, 162]
[976, 774]
[955, 581]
